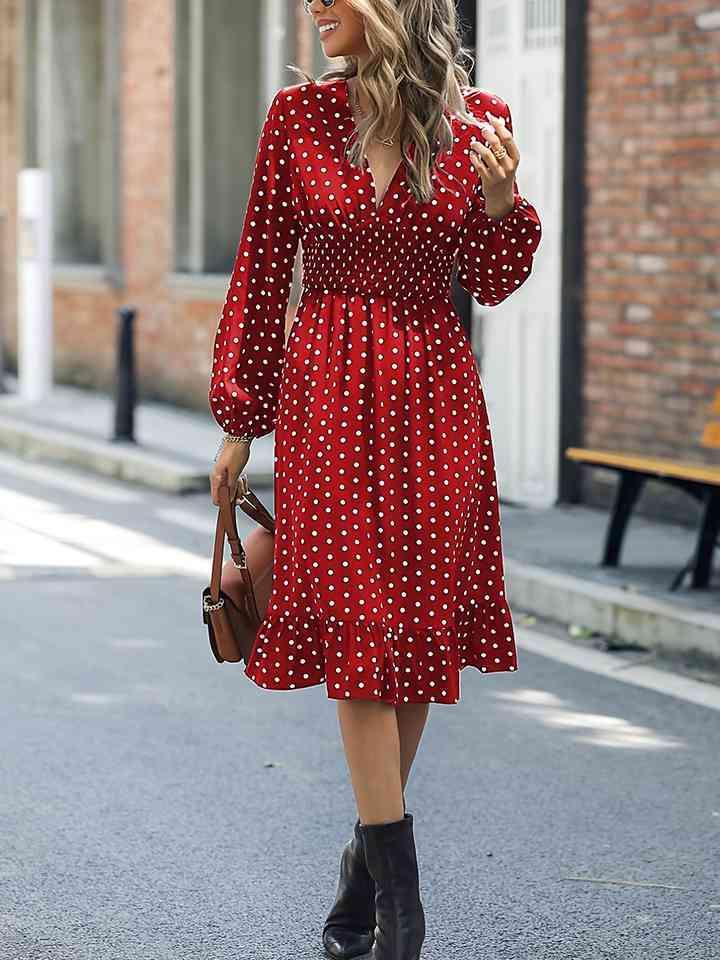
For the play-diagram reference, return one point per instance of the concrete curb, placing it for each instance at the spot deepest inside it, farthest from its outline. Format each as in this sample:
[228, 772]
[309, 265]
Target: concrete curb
[132, 462]
[126, 461]
[634, 618]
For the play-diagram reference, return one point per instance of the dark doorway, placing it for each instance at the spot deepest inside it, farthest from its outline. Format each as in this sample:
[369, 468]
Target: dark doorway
[467, 13]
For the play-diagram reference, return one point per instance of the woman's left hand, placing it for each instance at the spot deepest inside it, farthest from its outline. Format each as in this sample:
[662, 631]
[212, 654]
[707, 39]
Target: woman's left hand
[497, 176]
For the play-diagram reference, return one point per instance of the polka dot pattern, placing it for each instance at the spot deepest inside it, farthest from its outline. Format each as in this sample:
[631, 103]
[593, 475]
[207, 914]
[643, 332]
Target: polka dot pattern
[388, 569]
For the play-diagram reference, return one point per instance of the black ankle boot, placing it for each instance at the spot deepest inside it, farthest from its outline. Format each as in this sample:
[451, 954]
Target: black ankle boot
[399, 915]
[350, 925]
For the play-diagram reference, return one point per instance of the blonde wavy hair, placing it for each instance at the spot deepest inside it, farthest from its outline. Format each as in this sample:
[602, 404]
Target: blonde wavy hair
[416, 62]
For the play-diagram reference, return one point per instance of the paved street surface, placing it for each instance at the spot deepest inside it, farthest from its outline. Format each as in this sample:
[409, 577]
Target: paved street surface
[157, 805]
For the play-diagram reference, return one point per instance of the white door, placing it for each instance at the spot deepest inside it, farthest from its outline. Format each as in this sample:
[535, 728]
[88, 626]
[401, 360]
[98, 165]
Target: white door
[519, 57]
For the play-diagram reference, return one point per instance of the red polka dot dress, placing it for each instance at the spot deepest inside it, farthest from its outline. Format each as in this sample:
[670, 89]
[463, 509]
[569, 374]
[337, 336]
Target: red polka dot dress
[388, 567]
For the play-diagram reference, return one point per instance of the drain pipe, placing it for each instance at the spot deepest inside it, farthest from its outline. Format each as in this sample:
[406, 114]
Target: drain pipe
[572, 246]
[467, 12]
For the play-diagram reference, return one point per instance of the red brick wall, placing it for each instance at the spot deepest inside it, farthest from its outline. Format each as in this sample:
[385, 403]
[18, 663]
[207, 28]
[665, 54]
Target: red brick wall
[652, 351]
[174, 330]
[172, 334]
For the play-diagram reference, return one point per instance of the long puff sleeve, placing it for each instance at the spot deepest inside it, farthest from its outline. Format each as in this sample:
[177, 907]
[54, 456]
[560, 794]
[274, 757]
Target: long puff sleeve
[495, 257]
[250, 339]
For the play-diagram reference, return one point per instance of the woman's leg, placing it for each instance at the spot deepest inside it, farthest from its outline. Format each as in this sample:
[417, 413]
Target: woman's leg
[378, 893]
[371, 739]
[411, 719]
[380, 743]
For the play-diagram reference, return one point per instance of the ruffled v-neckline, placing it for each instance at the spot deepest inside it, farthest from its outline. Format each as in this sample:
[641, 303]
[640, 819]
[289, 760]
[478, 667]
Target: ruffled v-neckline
[377, 203]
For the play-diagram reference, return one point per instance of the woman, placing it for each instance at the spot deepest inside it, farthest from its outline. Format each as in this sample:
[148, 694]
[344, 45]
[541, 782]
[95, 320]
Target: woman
[388, 568]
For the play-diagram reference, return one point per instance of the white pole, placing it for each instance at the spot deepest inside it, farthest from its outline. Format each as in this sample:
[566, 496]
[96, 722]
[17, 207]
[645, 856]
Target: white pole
[274, 50]
[35, 323]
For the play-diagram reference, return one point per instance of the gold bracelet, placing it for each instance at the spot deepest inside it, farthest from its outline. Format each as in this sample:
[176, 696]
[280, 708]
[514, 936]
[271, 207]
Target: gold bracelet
[228, 436]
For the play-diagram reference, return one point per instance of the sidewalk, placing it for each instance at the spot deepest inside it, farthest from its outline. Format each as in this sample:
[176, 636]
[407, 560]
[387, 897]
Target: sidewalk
[552, 570]
[551, 554]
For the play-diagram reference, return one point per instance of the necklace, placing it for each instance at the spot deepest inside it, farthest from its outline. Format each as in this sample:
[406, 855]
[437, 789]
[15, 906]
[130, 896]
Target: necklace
[386, 141]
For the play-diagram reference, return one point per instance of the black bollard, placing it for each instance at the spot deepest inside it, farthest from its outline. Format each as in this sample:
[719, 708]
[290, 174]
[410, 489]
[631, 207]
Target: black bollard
[125, 391]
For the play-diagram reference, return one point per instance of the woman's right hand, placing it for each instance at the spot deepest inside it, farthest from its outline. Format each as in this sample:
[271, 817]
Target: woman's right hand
[230, 463]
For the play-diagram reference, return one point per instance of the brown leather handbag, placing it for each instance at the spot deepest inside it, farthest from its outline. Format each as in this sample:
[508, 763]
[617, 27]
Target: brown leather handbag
[236, 600]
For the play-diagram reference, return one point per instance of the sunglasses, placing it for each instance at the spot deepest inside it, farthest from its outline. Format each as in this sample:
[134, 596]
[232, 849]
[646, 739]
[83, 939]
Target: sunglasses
[326, 3]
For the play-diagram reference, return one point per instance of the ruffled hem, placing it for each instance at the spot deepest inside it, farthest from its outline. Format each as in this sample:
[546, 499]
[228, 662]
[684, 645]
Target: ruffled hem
[376, 660]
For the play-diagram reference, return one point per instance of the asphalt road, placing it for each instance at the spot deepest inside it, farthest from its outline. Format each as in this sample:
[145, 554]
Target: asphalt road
[155, 804]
